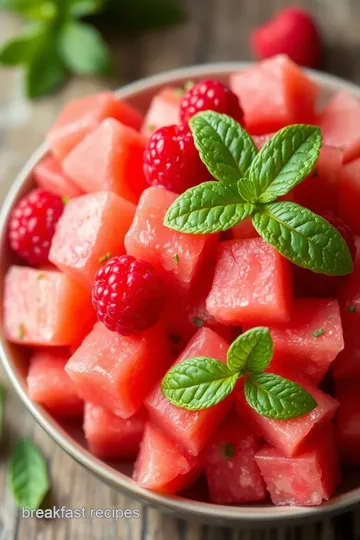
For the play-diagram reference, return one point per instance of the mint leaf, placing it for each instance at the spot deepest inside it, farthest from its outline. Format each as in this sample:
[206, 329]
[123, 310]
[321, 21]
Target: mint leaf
[304, 238]
[277, 398]
[83, 49]
[43, 10]
[22, 48]
[207, 208]
[83, 8]
[46, 72]
[285, 160]
[198, 383]
[28, 475]
[224, 146]
[247, 190]
[251, 351]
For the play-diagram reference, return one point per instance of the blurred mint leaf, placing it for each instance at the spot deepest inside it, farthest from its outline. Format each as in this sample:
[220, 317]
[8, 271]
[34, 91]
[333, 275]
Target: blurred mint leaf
[83, 8]
[46, 71]
[43, 10]
[21, 49]
[83, 49]
[137, 15]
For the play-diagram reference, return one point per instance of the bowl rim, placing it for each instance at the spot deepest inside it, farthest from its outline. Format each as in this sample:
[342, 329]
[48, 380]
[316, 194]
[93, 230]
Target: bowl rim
[255, 515]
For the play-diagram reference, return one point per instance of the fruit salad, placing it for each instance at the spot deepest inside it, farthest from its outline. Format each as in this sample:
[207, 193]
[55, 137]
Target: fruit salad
[187, 282]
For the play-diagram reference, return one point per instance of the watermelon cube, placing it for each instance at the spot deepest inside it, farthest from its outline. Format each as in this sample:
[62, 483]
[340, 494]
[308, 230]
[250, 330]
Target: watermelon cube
[118, 372]
[339, 123]
[162, 466]
[320, 190]
[348, 421]
[49, 175]
[163, 110]
[45, 308]
[296, 350]
[273, 94]
[49, 384]
[349, 194]
[191, 429]
[91, 229]
[252, 284]
[287, 436]
[304, 480]
[109, 436]
[81, 116]
[179, 257]
[230, 467]
[109, 159]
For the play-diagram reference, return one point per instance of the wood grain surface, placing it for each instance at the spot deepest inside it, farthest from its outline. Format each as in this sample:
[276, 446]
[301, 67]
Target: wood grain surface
[216, 30]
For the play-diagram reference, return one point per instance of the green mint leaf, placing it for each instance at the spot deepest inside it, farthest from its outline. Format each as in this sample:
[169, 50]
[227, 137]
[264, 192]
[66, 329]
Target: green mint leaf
[198, 383]
[304, 238]
[285, 160]
[28, 475]
[46, 71]
[2, 399]
[208, 208]
[228, 450]
[318, 333]
[83, 8]
[251, 351]
[83, 49]
[351, 309]
[224, 146]
[22, 48]
[247, 190]
[105, 257]
[43, 10]
[277, 398]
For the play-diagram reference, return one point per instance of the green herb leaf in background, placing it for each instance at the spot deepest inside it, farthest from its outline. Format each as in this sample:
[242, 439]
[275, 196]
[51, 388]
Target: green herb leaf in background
[28, 475]
[40, 10]
[84, 8]
[285, 160]
[277, 398]
[208, 208]
[252, 351]
[198, 383]
[21, 49]
[45, 72]
[304, 238]
[224, 146]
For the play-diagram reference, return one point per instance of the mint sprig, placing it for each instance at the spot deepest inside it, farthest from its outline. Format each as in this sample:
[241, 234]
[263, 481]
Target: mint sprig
[249, 183]
[202, 382]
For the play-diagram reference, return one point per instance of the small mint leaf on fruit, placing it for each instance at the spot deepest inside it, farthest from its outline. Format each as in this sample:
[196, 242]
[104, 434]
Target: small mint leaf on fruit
[277, 398]
[318, 333]
[285, 160]
[198, 383]
[208, 208]
[105, 257]
[251, 351]
[28, 475]
[198, 322]
[224, 146]
[176, 258]
[228, 450]
[303, 237]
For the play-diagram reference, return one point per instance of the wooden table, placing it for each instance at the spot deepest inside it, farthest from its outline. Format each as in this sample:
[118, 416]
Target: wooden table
[216, 30]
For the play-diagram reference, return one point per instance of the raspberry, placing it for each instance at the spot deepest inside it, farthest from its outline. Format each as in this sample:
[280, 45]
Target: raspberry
[308, 282]
[293, 32]
[210, 95]
[32, 225]
[172, 161]
[128, 295]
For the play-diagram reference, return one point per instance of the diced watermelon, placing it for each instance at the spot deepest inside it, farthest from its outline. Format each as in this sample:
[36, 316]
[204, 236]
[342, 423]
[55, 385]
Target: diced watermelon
[179, 257]
[91, 229]
[231, 470]
[288, 435]
[163, 110]
[118, 372]
[162, 466]
[109, 159]
[339, 123]
[304, 480]
[273, 94]
[349, 194]
[320, 191]
[49, 384]
[110, 436]
[296, 350]
[348, 421]
[81, 116]
[191, 429]
[252, 284]
[45, 308]
[49, 175]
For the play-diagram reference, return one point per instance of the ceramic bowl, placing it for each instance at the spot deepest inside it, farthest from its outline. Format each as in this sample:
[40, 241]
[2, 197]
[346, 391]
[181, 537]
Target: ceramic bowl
[119, 475]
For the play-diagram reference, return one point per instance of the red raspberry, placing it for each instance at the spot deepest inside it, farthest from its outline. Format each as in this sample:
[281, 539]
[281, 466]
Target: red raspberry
[308, 282]
[128, 295]
[32, 225]
[293, 32]
[172, 161]
[209, 95]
